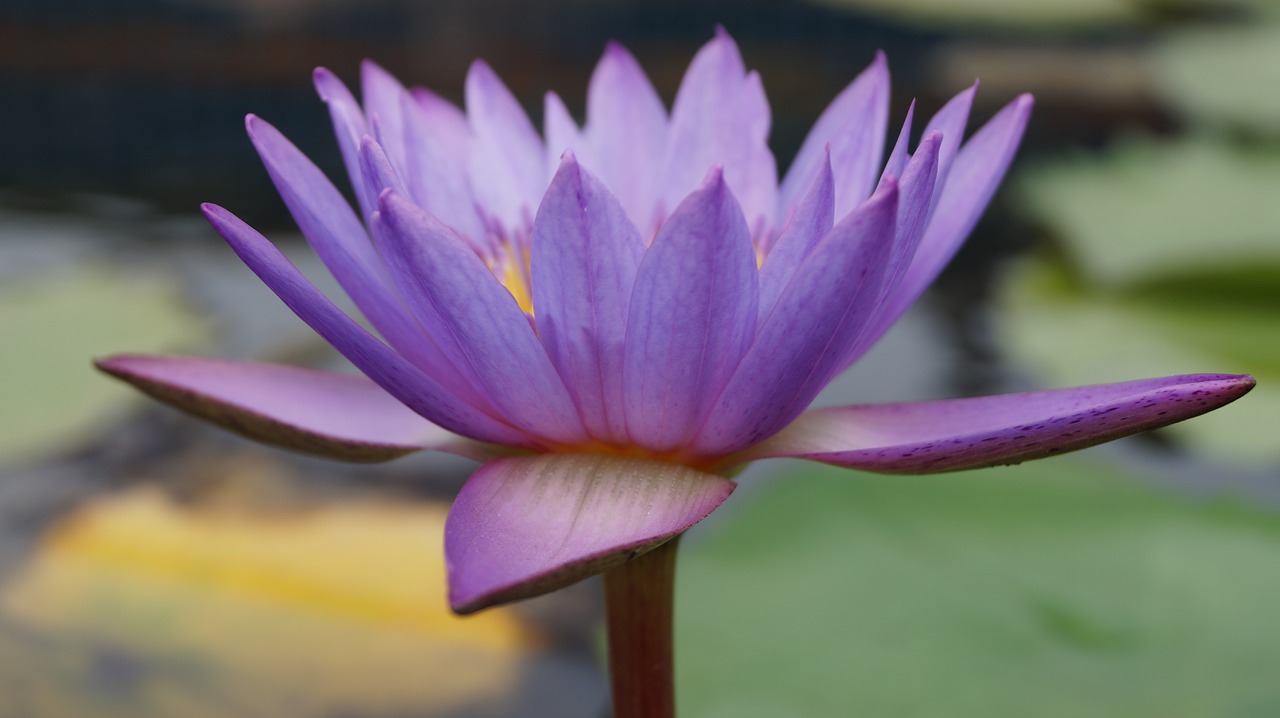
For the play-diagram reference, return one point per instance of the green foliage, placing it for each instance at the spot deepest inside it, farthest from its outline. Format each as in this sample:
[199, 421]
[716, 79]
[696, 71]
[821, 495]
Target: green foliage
[1147, 208]
[1058, 589]
[1223, 76]
[52, 327]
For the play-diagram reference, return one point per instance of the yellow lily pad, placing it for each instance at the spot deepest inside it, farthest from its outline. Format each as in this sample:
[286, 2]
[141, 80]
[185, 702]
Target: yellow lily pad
[332, 610]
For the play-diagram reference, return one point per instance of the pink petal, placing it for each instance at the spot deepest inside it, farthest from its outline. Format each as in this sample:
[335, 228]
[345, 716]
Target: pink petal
[953, 434]
[854, 126]
[525, 526]
[720, 116]
[339, 416]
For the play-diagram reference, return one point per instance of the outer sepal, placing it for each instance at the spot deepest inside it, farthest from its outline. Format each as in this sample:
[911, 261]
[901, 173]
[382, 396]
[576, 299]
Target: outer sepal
[935, 436]
[339, 416]
[524, 526]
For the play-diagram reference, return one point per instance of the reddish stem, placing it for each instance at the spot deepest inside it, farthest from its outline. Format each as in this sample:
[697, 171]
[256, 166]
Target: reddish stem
[638, 601]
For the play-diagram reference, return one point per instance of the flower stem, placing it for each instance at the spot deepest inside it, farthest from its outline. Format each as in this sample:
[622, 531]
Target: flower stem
[638, 601]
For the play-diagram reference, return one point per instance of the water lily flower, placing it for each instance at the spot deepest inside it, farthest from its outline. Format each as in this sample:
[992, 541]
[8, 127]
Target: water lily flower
[613, 318]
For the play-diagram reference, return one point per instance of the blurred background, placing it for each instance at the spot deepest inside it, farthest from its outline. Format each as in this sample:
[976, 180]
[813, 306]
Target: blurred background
[152, 566]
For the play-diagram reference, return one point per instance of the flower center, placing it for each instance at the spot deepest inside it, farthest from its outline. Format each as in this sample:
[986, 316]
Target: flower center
[511, 267]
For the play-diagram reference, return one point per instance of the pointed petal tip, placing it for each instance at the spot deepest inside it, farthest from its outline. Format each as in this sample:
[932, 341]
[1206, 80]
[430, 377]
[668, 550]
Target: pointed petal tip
[1021, 107]
[480, 71]
[114, 364]
[323, 80]
[388, 199]
[1241, 383]
[369, 67]
[615, 50]
[957, 434]
[339, 416]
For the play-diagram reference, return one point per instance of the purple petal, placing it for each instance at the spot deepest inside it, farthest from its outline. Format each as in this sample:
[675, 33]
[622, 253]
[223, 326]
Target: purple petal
[562, 132]
[339, 239]
[508, 167]
[693, 313]
[349, 126]
[627, 131]
[951, 121]
[898, 156]
[586, 253]
[916, 192]
[524, 526]
[809, 223]
[720, 116]
[339, 416]
[475, 319]
[443, 117]
[970, 183]
[376, 171]
[383, 106]
[436, 166]
[854, 125]
[439, 403]
[800, 344]
[953, 434]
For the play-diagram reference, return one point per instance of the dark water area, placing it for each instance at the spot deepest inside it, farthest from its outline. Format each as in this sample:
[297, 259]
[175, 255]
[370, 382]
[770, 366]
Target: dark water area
[146, 99]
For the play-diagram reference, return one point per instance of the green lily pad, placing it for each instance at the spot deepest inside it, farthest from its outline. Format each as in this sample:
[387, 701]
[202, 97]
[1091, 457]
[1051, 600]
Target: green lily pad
[1216, 322]
[1057, 589]
[53, 326]
[1148, 209]
[1224, 75]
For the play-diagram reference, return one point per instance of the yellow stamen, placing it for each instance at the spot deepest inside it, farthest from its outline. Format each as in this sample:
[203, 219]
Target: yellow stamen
[512, 269]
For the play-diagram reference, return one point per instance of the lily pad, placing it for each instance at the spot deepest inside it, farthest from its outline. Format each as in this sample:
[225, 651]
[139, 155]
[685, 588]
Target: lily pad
[1058, 589]
[53, 326]
[136, 606]
[1224, 75]
[1148, 209]
[1068, 334]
